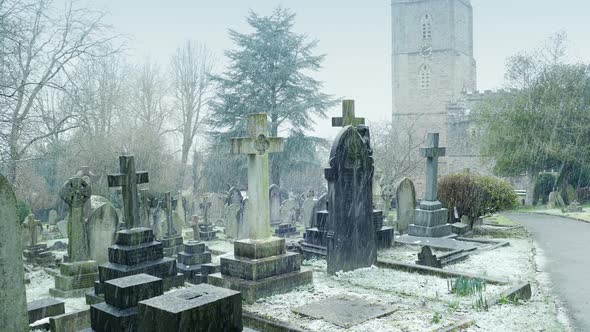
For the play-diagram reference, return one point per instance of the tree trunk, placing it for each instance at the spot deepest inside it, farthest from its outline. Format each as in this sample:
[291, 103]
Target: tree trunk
[183, 160]
[275, 173]
[530, 190]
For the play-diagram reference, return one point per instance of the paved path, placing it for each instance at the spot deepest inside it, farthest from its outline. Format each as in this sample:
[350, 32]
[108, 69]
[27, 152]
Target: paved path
[565, 243]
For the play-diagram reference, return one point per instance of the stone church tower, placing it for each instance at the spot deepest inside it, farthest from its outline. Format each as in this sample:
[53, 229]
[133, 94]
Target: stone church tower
[432, 61]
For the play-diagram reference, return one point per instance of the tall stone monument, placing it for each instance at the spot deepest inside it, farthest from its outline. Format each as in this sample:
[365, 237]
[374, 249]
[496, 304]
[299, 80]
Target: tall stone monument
[13, 300]
[431, 218]
[351, 231]
[260, 265]
[76, 192]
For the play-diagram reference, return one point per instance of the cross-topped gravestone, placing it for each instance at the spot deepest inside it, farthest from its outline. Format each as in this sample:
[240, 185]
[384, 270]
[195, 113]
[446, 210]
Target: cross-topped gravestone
[168, 207]
[128, 179]
[32, 226]
[257, 146]
[431, 152]
[348, 118]
[76, 192]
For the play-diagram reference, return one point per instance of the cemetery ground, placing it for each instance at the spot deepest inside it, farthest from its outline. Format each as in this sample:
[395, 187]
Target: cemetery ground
[412, 301]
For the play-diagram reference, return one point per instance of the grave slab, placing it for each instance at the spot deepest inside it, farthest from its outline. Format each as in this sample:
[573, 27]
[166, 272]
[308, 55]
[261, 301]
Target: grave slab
[446, 243]
[43, 308]
[344, 311]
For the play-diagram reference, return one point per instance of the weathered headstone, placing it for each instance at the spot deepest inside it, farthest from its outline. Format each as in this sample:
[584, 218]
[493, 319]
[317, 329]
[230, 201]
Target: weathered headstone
[76, 192]
[275, 204]
[274, 270]
[128, 180]
[387, 192]
[307, 212]
[32, 230]
[13, 301]
[377, 199]
[406, 205]
[216, 209]
[62, 226]
[289, 211]
[320, 205]
[244, 221]
[234, 196]
[431, 218]
[181, 213]
[172, 241]
[102, 228]
[145, 213]
[351, 237]
[52, 217]
[232, 219]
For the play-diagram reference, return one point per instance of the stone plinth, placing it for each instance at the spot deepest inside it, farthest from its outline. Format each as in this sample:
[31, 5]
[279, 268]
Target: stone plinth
[190, 261]
[172, 245]
[260, 268]
[135, 251]
[206, 232]
[75, 279]
[43, 308]
[119, 312]
[430, 220]
[197, 308]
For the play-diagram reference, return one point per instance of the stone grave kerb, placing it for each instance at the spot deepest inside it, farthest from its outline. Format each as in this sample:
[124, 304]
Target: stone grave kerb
[257, 146]
[128, 180]
[348, 117]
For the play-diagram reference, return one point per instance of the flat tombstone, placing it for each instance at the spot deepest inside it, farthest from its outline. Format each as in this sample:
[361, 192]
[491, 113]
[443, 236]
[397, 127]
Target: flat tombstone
[307, 214]
[351, 231]
[52, 217]
[232, 219]
[406, 205]
[102, 228]
[13, 301]
[274, 204]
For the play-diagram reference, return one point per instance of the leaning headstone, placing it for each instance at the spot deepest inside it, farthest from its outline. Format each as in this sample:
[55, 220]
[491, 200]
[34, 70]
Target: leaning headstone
[406, 205]
[13, 300]
[351, 237]
[102, 228]
[431, 218]
[76, 192]
[260, 265]
[62, 226]
[52, 217]
[275, 204]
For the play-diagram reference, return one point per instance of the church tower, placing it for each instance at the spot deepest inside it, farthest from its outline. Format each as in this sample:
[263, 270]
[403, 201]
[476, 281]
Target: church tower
[432, 60]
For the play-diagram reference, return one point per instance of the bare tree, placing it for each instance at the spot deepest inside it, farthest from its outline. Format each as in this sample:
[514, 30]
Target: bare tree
[148, 102]
[191, 67]
[37, 53]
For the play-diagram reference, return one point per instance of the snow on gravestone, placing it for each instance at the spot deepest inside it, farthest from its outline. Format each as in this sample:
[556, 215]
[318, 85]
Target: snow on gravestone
[406, 205]
[13, 301]
[102, 228]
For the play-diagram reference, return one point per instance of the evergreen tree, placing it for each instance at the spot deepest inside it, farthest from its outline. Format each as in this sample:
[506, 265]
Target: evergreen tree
[269, 72]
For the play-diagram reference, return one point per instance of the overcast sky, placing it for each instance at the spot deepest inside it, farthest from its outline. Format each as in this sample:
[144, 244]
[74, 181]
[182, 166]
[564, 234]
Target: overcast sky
[355, 36]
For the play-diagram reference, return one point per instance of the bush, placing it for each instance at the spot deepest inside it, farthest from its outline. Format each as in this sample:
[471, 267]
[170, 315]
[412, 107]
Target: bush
[543, 187]
[475, 196]
[583, 195]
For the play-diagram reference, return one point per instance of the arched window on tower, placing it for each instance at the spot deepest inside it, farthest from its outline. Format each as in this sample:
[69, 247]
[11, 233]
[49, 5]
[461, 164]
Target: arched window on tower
[425, 74]
[426, 27]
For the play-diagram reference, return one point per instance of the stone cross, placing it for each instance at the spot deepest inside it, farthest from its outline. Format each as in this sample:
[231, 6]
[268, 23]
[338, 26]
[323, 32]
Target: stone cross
[431, 152]
[129, 180]
[168, 207]
[76, 192]
[348, 117]
[257, 146]
[33, 227]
